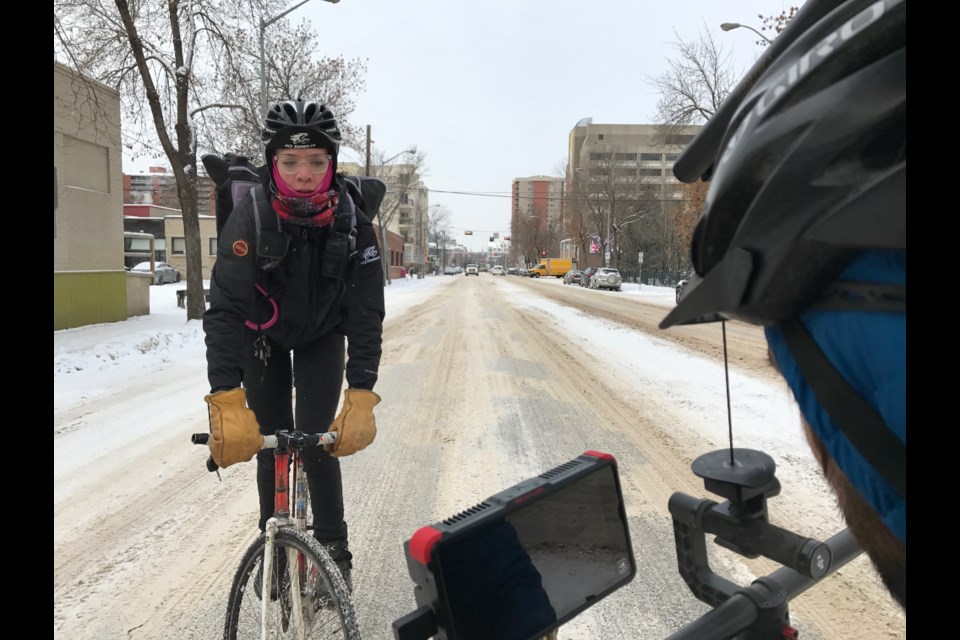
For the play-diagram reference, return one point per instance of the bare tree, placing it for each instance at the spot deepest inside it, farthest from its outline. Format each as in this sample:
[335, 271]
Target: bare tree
[438, 221]
[332, 81]
[699, 79]
[172, 63]
[404, 184]
[439, 226]
[529, 231]
[156, 55]
[577, 213]
[776, 23]
[614, 194]
[685, 214]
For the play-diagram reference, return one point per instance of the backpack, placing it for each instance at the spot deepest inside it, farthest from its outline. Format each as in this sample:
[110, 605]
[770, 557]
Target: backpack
[235, 176]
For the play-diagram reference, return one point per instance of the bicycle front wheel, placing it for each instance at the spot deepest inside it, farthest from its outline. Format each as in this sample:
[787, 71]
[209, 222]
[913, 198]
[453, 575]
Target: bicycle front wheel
[308, 599]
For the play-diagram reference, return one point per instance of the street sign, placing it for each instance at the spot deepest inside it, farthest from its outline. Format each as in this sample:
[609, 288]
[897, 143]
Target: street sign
[496, 234]
[640, 258]
[606, 256]
[468, 233]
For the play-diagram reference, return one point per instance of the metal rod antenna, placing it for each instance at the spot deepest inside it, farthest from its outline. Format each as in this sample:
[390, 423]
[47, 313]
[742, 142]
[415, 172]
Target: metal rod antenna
[726, 373]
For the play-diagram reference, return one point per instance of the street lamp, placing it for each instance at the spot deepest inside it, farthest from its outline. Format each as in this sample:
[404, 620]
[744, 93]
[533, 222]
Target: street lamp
[730, 26]
[263, 68]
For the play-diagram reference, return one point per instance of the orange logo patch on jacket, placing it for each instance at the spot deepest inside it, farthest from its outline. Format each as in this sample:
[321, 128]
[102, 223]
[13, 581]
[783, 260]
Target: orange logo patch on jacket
[240, 248]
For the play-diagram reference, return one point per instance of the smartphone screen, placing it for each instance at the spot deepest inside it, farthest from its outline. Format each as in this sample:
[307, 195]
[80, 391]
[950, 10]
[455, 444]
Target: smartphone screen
[538, 566]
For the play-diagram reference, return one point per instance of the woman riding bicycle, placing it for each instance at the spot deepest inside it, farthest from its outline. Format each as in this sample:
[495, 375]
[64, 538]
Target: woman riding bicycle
[302, 291]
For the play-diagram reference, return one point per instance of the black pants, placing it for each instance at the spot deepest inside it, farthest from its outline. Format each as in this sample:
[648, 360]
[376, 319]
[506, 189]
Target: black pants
[318, 369]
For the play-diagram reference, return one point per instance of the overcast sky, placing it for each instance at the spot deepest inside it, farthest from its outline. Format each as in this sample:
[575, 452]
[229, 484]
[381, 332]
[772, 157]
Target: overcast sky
[490, 90]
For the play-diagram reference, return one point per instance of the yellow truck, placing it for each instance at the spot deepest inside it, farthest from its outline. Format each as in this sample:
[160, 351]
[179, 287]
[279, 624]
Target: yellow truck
[556, 267]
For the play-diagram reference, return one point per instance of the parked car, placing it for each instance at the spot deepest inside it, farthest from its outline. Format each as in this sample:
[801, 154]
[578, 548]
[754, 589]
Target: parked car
[605, 278]
[162, 272]
[473, 270]
[512, 271]
[449, 271]
[523, 273]
[586, 275]
[497, 270]
[680, 288]
[572, 276]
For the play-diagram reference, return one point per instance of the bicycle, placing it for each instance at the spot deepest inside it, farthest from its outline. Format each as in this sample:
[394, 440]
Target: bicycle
[306, 595]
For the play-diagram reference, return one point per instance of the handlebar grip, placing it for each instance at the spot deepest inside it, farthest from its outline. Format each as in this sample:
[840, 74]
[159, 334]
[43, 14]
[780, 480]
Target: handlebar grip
[203, 438]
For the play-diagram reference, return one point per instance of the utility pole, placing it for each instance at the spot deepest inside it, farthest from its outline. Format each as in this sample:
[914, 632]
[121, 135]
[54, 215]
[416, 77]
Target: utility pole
[606, 255]
[420, 242]
[368, 150]
[384, 245]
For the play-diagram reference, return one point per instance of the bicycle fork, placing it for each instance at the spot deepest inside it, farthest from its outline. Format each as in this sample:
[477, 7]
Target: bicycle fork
[295, 562]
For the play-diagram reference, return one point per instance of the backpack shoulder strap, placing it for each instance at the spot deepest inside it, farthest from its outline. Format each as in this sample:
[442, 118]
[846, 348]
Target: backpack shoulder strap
[367, 193]
[272, 242]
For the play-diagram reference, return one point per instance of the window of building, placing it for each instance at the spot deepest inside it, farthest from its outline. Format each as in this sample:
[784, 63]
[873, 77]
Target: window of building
[179, 247]
[213, 246]
[136, 244]
[405, 198]
[85, 165]
[650, 157]
[599, 156]
[672, 157]
[599, 136]
[651, 172]
[632, 157]
[681, 140]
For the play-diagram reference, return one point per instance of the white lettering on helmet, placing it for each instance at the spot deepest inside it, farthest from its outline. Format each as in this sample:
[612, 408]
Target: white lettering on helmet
[802, 67]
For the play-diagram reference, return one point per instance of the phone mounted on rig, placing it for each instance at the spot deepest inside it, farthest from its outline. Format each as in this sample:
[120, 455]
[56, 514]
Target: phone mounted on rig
[523, 561]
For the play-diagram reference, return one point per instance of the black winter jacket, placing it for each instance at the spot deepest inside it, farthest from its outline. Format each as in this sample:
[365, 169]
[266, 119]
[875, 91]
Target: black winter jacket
[310, 304]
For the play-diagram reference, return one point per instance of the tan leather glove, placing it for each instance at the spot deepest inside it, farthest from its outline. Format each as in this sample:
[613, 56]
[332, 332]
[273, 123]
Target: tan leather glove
[234, 432]
[355, 425]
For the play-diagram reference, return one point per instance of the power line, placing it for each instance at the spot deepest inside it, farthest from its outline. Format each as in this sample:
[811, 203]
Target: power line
[492, 194]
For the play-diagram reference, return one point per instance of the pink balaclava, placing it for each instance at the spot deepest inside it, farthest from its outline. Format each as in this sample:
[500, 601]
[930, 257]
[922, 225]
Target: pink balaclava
[313, 209]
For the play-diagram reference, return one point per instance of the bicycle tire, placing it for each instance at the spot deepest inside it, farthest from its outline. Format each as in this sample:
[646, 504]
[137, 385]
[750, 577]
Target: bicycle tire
[334, 618]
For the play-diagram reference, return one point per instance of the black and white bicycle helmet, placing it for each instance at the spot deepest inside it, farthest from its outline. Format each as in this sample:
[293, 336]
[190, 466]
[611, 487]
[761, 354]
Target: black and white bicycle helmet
[804, 230]
[300, 124]
[810, 169]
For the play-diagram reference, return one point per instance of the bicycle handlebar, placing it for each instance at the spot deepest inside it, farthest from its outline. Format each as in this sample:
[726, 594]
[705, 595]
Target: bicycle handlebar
[270, 442]
[737, 614]
[288, 439]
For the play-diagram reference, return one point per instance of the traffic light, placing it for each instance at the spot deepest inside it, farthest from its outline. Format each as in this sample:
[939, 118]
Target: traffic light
[543, 253]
